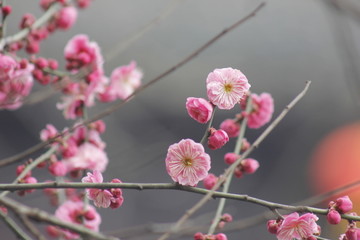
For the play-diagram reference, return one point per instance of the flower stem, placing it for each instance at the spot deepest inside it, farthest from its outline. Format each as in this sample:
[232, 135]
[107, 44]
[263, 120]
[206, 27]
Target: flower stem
[226, 186]
[206, 134]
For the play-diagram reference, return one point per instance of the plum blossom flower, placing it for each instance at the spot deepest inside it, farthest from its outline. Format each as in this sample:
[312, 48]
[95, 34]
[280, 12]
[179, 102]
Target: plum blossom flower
[298, 227]
[101, 197]
[16, 82]
[199, 109]
[75, 212]
[88, 156]
[187, 163]
[226, 87]
[263, 108]
[124, 80]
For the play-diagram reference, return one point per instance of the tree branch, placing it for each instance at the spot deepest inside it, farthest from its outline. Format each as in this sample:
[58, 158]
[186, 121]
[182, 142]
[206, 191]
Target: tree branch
[43, 216]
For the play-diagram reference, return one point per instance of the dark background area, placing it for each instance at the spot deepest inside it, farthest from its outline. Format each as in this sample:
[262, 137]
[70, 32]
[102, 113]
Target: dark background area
[285, 44]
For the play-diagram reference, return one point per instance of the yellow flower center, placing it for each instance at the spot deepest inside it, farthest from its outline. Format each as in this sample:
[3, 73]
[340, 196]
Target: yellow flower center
[187, 162]
[228, 87]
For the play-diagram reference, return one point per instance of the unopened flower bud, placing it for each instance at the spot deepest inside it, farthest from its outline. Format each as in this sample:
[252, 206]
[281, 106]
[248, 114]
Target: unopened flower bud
[272, 226]
[210, 181]
[230, 158]
[199, 109]
[217, 139]
[221, 236]
[344, 204]
[231, 127]
[333, 217]
[249, 165]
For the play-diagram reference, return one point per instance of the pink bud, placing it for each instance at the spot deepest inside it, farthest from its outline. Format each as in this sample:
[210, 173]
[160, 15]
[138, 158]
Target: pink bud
[20, 169]
[311, 238]
[217, 139]
[249, 165]
[89, 215]
[230, 158]
[231, 127]
[117, 202]
[333, 217]
[272, 226]
[52, 231]
[199, 236]
[221, 236]
[351, 233]
[245, 145]
[57, 169]
[27, 20]
[3, 209]
[53, 64]
[6, 10]
[238, 173]
[32, 47]
[30, 180]
[210, 181]
[226, 217]
[41, 63]
[66, 18]
[344, 204]
[83, 3]
[199, 109]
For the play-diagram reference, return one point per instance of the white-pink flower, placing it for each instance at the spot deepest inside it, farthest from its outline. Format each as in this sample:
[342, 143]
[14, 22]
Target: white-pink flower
[124, 80]
[88, 156]
[263, 108]
[226, 87]
[187, 163]
[101, 197]
[76, 213]
[298, 227]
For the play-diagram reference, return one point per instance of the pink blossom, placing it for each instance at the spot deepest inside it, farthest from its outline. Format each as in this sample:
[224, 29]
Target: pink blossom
[72, 106]
[226, 87]
[49, 132]
[88, 156]
[75, 213]
[66, 17]
[273, 226]
[199, 109]
[187, 163]
[231, 127]
[221, 236]
[298, 227]
[333, 217]
[217, 139]
[16, 82]
[79, 52]
[249, 165]
[124, 80]
[344, 204]
[210, 181]
[57, 168]
[263, 108]
[101, 197]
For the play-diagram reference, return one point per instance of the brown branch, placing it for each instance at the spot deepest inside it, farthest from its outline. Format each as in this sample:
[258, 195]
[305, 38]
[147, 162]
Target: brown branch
[115, 107]
[43, 216]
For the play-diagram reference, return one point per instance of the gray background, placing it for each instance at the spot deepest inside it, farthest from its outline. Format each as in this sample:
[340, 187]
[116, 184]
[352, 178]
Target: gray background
[287, 43]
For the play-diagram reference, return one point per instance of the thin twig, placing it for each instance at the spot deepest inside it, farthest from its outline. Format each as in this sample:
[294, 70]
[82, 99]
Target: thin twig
[38, 23]
[231, 169]
[115, 107]
[30, 226]
[14, 227]
[43, 216]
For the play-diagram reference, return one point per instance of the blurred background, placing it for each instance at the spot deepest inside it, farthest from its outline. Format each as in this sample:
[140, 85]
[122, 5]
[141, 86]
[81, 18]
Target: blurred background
[285, 44]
